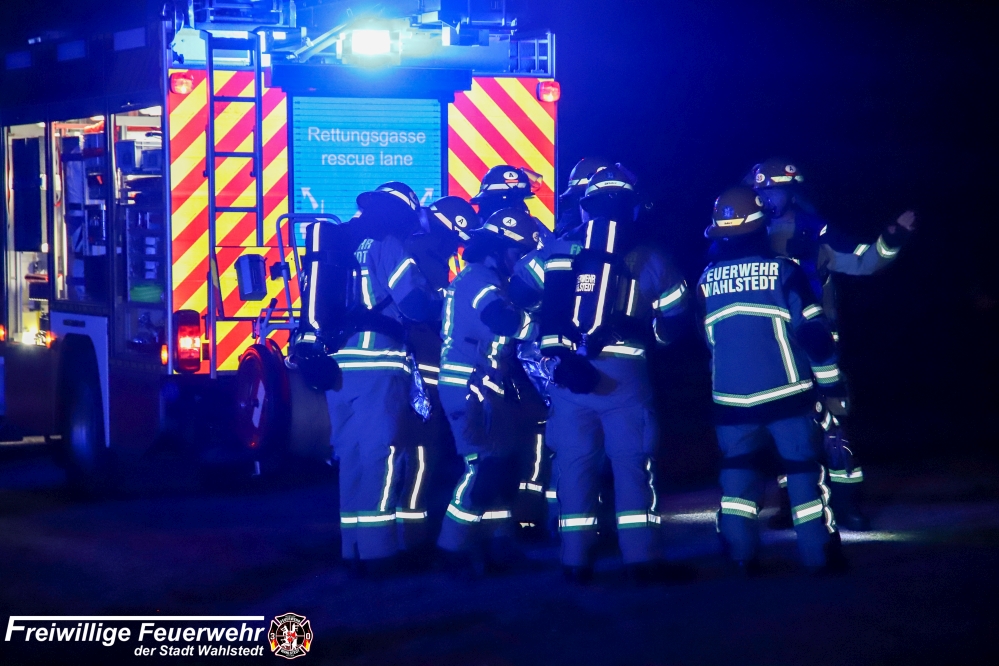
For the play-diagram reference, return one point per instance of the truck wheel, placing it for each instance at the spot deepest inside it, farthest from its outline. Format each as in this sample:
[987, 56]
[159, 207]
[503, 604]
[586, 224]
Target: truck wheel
[309, 427]
[88, 461]
[262, 410]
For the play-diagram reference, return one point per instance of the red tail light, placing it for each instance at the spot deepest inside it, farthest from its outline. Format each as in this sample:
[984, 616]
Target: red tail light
[187, 341]
[182, 84]
[549, 91]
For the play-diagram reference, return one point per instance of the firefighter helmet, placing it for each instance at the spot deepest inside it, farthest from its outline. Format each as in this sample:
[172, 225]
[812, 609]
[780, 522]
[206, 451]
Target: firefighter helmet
[610, 190]
[512, 226]
[456, 214]
[580, 176]
[507, 182]
[393, 198]
[776, 172]
[738, 211]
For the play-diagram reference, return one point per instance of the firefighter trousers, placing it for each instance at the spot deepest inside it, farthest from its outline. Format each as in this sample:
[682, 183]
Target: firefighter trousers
[370, 418]
[419, 465]
[796, 439]
[615, 421]
[482, 502]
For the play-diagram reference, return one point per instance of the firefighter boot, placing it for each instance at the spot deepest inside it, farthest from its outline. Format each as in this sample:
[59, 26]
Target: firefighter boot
[836, 562]
[843, 501]
[782, 519]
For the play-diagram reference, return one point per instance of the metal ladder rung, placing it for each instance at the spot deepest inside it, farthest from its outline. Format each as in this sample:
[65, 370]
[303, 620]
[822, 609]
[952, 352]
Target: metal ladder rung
[231, 98]
[223, 153]
[235, 209]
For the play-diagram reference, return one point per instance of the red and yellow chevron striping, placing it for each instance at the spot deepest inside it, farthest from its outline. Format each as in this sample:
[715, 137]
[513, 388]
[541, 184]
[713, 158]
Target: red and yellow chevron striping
[235, 232]
[501, 121]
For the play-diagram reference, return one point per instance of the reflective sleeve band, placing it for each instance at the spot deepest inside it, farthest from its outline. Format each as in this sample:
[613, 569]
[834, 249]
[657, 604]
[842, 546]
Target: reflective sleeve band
[637, 519]
[482, 294]
[372, 353]
[532, 487]
[623, 351]
[399, 271]
[761, 397]
[782, 480]
[577, 522]
[492, 386]
[670, 298]
[747, 309]
[842, 476]
[883, 250]
[807, 511]
[811, 311]
[457, 514]
[374, 365]
[822, 232]
[348, 519]
[826, 374]
[375, 518]
[537, 271]
[861, 249]
[558, 265]
[551, 495]
[526, 326]
[497, 515]
[736, 506]
[410, 515]
[367, 292]
[557, 341]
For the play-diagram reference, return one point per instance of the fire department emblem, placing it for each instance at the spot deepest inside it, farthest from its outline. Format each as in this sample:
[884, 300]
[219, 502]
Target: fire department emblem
[461, 221]
[290, 636]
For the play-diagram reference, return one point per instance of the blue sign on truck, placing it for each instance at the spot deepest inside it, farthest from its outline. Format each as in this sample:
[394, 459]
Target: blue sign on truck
[344, 146]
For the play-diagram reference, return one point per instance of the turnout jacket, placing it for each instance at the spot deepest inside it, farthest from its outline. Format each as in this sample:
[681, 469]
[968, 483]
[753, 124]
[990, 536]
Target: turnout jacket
[389, 285]
[822, 250]
[480, 328]
[657, 300]
[769, 339]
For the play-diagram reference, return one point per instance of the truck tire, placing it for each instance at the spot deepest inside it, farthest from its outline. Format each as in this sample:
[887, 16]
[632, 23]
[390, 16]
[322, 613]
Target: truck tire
[309, 428]
[262, 404]
[88, 461]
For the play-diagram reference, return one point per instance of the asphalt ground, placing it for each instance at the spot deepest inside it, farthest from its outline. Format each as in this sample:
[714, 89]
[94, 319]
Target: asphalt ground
[922, 587]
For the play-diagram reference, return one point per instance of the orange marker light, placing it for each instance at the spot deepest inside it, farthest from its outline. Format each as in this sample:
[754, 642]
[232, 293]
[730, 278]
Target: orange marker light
[549, 91]
[49, 338]
[3, 333]
[182, 84]
[164, 355]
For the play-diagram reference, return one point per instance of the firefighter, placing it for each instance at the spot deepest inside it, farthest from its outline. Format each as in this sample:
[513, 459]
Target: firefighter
[602, 306]
[446, 224]
[507, 186]
[526, 289]
[527, 283]
[370, 410]
[771, 349]
[820, 249]
[569, 216]
[491, 405]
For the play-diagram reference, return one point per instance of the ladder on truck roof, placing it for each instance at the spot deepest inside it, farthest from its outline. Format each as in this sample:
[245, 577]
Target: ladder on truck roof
[251, 46]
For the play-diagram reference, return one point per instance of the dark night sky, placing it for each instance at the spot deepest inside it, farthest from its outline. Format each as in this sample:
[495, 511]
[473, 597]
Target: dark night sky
[884, 104]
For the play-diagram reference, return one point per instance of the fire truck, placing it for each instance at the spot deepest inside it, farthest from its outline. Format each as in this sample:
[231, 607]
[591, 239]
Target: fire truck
[160, 166]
